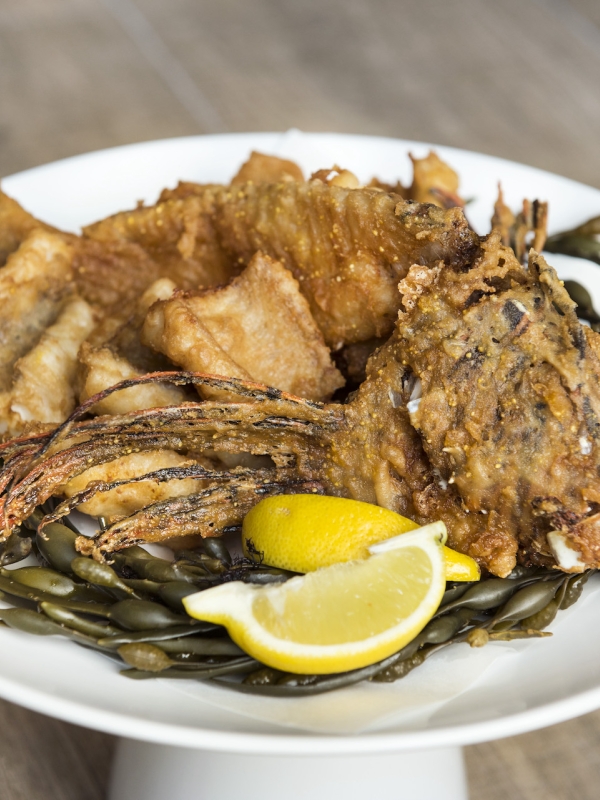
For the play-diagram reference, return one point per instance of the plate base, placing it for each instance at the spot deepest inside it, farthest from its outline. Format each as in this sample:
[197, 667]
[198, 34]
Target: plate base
[143, 771]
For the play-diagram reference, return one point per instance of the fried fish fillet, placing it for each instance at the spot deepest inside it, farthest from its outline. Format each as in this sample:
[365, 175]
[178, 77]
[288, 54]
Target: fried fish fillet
[347, 248]
[43, 387]
[123, 356]
[112, 275]
[177, 237]
[130, 497]
[103, 364]
[258, 328]
[15, 226]
[510, 407]
[34, 286]
[434, 181]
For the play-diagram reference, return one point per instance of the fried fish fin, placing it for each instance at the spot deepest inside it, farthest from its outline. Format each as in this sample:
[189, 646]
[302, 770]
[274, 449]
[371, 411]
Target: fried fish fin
[515, 230]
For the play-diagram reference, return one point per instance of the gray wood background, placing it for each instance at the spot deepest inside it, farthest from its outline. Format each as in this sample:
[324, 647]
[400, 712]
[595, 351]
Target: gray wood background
[514, 78]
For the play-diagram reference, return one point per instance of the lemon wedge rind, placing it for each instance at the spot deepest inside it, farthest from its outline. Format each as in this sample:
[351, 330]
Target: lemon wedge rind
[307, 532]
[267, 621]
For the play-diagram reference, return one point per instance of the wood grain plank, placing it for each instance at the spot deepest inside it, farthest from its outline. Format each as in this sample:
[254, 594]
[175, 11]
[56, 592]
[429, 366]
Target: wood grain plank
[505, 78]
[71, 81]
[41, 757]
[557, 763]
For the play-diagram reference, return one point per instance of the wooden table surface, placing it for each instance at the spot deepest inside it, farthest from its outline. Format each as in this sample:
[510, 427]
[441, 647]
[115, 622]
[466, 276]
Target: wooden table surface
[514, 78]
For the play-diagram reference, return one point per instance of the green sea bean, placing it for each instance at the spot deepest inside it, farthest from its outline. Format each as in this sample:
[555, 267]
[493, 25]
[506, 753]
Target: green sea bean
[200, 646]
[16, 589]
[527, 601]
[292, 679]
[325, 683]
[29, 621]
[141, 615]
[56, 543]
[42, 578]
[233, 667]
[573, 243]
[34, 519]
[98, 574]
[454, 592]
[65, 616]
[542, 618]
[146, 657]
[141, 586]
[263, 677]
[400, 669]
[172, 594]
[483, 596]
[508, 636]
[156, 635]
[216, 548]
[574, 588]
[443, 628]
[264, 576]
[15, 548]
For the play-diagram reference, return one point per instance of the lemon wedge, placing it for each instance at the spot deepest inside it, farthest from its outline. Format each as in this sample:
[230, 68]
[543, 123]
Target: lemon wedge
[305, 532]
[340, 617]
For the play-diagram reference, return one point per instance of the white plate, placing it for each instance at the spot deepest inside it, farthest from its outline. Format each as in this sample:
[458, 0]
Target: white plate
[538, 684]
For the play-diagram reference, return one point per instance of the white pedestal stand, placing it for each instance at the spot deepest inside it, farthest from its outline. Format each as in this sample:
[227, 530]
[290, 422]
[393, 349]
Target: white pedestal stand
[143, 771]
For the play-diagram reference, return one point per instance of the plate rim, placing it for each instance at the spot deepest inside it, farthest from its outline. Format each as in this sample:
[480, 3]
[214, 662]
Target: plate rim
[300, 743]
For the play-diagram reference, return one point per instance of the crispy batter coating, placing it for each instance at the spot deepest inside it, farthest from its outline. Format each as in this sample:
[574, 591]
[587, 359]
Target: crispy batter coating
[257, 328]
[34, 286]
[43, 386]
[15, 226]
[510, 405]
[261, 168]
[177, 237]
[352, 360]
[347, 248]
[112, 275]
[377, 456]
[122, 356]
[482, 409]
[434, 181]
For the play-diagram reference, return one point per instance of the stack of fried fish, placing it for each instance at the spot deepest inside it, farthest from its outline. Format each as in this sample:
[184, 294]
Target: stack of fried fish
[177, 362]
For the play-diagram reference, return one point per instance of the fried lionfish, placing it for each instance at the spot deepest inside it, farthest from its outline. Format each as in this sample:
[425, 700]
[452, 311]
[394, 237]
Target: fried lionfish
[481, 410]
